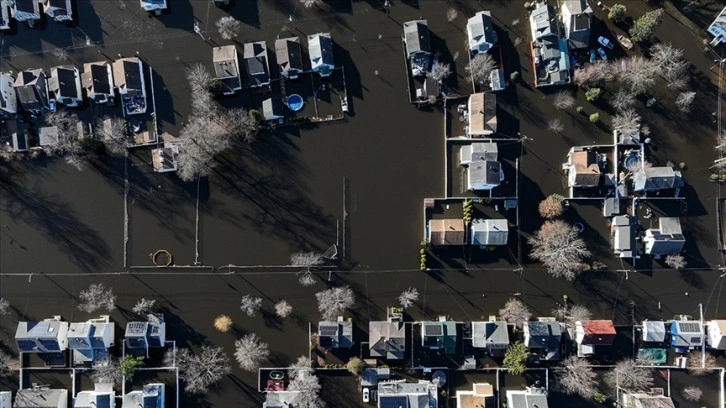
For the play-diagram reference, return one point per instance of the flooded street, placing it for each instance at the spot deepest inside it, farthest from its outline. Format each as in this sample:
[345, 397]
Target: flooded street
[61, 230]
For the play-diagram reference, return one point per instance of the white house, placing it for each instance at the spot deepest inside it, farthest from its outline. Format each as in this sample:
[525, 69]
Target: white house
[47, 336]
[157, 6]
[716, 334]
[320, 48]
[8, 97]
[480, 31]
[718, 28]
[623, 231]
[151, 396]
[576, 15]
[484, 175]
[665, 240]
[486, 232]
[91, 340]
[101, 396]
[654, 331]
[41, 397]
[58, 10]
[531, 397]
[4, 16]
[25, 10]
[163, 159]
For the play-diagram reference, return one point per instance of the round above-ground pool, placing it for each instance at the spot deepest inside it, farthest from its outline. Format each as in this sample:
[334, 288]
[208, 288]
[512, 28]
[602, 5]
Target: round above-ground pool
[295, 102]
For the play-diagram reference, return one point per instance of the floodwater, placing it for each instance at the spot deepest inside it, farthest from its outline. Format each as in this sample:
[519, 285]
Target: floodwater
[285, 193]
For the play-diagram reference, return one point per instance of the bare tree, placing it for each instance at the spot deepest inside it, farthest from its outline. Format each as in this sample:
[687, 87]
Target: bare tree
[480, 67]
[671, 65]
[563, 100]
[676, 262]
[250, 305]
[303, 379]
[639, 74]
[592, 75]
[250, 351]
[303, 363]
[551, 207]
[107, 372]
[451, 14]
[559, 248]
[685, 100]
[515, 312]
[70, 135]
[97, 296]
[311, 3]
[283, 309]
[698, 365]
[575, 376]
[571, 314]
[114, 133]
[627, 121]
[555, 125]
[334, 301]
[307, 279]
[628, 375]
[144, 306]
[228, 27]
[408, 297]
[223, 323]
[440, 71]
[8, 364]
[692, 393]
[622, 100]
[4, 307]
[199, 372]
[306, 259]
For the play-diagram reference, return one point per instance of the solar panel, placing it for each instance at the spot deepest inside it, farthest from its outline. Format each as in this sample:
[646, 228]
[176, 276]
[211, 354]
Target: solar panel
[689, 327]
[433, 330]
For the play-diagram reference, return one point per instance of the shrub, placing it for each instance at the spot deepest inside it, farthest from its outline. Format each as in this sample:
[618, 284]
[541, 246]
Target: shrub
[595, 117]
[551, 207]
[355, 365]
[593, 94]
[617, 12]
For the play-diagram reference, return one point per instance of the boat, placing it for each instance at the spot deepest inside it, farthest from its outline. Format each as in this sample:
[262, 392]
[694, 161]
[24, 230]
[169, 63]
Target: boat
[625, 42]
[277, 375]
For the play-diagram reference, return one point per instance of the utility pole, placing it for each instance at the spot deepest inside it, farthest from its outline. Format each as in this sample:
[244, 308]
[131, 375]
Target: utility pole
[703, 340]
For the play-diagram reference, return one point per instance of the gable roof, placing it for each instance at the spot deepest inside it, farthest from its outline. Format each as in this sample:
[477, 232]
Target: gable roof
[255, 60]
[542, 21]
[654, 331]
[623, 236]
[656, 178]
[481, 32]
[446, 232]
[289, 54]
[416, 35]
[595, 332]
[482, 113]
[485, 334]
[64, 82]
[320, 47]
[40, 398]
[585, 168]
[387, 339]
[542, 334]
[127, 74]
[226, 67]
[96, 77]
[489, 231]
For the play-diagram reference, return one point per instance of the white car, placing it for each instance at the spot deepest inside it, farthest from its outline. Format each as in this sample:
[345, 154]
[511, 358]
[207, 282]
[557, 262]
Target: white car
[366, 394]
[605, 42]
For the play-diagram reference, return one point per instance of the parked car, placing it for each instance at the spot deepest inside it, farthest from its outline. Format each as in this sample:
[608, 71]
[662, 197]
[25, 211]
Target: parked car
[366, 394]
[602, 54]
[51, 105]
[593, 56]
[625, 42]
[606, 42]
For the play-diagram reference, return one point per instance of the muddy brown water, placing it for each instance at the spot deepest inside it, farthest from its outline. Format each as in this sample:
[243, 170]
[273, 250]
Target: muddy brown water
[285, 193]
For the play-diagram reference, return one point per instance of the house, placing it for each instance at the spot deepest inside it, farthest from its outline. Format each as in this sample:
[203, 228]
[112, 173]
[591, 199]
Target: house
[128, 75]
[48, 136]
[482, 114]
[226, 67]
[6, 399]
[716, 331]
[480, 31]
[41, 397]
[272, 110]
[8, 96]
[91, 340]
[654, 331]
[280, 399]
[592, 333]
[666, 240]
[422, 394]
[58, 10]
[387, 339]
[333, 335]
[550, 57]
[151, 396]
[4, 16]
[656, 178]
[47, 336]
[97, 80]
[492, 336]
[256, 66]
[32, 89]
[481, 395]
[370, 377]
[531, 397]
[18, 137]
[487, 232]
[477, 151]
[643, 400]
[543, 339]
[320, 48]
[718, 29]
[430, 87]
[156, 6]
[583, 168]
[163, 159]
[446, 232]
[484, 175]
[686, 334]
[102, 396]
[25, 10]
[418, 46]
[64, 85]
[289, 57]
[439, 335]
[576, 16]
[141, 336]
[623, 231]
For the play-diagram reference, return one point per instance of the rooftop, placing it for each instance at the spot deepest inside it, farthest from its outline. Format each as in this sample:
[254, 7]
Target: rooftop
[482, 114]
[446, 232]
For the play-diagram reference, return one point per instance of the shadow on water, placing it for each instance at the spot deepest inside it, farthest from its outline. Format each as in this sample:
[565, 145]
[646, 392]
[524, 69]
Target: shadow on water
[248, 12]
[164, 102]
[54, 217]
[354, 85]
[268, 179]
